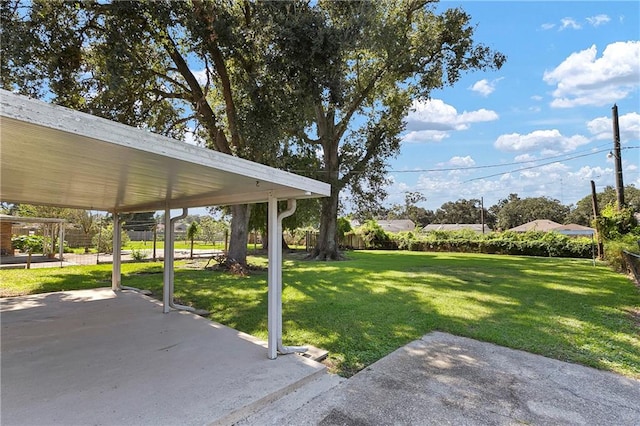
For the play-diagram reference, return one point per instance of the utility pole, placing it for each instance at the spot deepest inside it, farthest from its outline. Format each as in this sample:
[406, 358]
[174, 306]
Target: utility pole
[617, 158]
[482, 212]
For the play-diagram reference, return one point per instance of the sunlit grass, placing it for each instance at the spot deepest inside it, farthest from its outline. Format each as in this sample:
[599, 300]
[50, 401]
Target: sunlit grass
[364, 308]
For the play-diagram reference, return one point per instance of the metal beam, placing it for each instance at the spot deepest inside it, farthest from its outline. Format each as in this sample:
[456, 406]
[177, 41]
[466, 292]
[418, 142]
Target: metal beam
[167, 271]
[116, 277]
[274, 270]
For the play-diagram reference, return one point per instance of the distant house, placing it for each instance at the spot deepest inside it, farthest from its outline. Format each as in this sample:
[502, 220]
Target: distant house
[543, 225]
[540, 225]
[477, 227]
[397, 225]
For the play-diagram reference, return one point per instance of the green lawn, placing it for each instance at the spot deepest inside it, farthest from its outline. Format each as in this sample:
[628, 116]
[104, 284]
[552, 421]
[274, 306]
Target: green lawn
[364, 308]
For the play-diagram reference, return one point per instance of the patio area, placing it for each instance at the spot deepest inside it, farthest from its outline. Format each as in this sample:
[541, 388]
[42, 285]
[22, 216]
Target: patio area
[104, 357]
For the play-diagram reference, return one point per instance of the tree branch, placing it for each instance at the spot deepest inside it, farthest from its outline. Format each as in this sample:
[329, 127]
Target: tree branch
[223, 74]
[168, 95]
[198, 99]
[344, 122]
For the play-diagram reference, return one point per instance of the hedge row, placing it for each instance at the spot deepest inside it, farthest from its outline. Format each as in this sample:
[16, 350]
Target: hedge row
[528, 244]
[577, 249]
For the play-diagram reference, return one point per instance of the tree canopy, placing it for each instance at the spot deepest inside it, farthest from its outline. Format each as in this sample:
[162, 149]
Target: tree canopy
[171, 67]
[320, 88]
[383, 56]
[583, 212]
[515, 211]
[463, 211]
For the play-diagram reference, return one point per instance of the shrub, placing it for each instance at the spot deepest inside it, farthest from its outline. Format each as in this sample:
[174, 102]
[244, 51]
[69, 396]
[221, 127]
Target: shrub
[28, 243]
[138, 255]
[614, 223]
[528, 244]
[373, 235]
[613, 251]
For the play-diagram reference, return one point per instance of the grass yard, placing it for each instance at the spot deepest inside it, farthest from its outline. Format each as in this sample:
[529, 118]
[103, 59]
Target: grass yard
[363, 308]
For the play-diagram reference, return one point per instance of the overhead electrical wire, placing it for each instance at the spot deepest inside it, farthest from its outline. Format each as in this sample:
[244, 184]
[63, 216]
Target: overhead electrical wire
[544, 164]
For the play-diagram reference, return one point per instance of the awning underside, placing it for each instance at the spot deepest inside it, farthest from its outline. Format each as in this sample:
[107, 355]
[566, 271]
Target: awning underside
[55, 156]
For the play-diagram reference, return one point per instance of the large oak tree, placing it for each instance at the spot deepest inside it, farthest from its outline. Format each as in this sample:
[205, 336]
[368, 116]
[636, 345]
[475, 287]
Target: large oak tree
[316, 87]
[166, 66]
[367, 62]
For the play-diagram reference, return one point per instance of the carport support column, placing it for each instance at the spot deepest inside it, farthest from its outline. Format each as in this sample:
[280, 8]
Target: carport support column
[168, 262]
[61, 239]
[168, 277]
[275, 271]
[117, 249]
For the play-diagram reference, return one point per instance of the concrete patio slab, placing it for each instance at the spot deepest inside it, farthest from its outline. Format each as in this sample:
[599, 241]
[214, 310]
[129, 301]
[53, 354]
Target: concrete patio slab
[444, 379]
[99, 357]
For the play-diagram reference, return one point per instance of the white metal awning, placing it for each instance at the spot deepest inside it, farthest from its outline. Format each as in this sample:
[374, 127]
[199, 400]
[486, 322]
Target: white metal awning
[55, 156]
[52, 155]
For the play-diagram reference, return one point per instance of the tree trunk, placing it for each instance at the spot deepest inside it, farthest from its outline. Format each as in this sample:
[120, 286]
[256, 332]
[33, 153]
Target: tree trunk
[239, 234]
[327, 245]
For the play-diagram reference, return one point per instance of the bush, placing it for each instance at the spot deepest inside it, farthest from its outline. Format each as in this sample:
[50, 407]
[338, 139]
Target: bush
[373, 235]
[138, 255]
[614, 223]
[527, 244]
[613, 251]
[28, 243]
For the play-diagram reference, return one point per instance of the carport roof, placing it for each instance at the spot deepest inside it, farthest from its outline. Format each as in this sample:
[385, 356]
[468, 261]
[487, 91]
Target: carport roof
[52, 155]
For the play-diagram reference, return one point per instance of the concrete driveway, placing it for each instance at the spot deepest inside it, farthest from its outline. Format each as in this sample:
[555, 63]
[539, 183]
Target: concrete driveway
[95, 357]
[444, 379]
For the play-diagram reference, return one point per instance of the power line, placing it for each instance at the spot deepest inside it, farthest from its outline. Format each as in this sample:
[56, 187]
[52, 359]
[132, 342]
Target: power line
[559, 157]
[544, 164]
[488, 166]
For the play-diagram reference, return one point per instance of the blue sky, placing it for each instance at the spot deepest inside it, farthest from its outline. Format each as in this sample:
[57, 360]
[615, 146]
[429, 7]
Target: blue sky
[548, 109]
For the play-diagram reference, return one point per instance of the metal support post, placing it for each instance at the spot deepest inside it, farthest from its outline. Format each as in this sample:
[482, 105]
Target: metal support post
[117, 250]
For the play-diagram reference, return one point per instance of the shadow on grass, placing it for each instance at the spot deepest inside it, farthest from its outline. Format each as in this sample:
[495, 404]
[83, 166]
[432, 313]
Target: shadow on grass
[362, 309]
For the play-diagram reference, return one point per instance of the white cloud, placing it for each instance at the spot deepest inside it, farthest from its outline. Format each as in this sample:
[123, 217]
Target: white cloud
[598, 20]
[590, 173]
[425, 136]
[549, 141]
[525, 157]
[536, 97]
[462, 161]
[584, 79]
[602, 127]
[569, 23]
[484, 87]
[547, 26]
[431, 120]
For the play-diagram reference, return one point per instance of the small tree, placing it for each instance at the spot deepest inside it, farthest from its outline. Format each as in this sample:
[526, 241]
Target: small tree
[28, 244]
[103, 240]
[192, 232]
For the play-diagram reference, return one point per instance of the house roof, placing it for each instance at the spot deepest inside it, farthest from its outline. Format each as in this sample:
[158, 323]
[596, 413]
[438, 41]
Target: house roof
[397, 225]
[455, 227]
[52, 155]
[542, 225]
